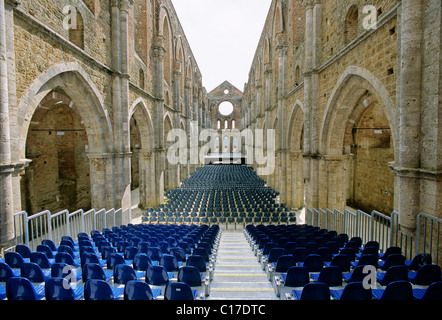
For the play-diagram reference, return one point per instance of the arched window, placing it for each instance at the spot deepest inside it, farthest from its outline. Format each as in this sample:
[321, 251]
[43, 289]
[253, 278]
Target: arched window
[233, 124]
[226, 124]
[141, 78]
[297, 76]
[351, 24]
[76, 32]
[218, 124]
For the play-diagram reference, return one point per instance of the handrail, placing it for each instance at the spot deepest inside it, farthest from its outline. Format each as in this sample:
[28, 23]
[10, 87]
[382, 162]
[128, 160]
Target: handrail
[384, 229]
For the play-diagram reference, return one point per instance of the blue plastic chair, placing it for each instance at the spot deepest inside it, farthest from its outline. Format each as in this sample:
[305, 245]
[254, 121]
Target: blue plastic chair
[14, 259]
[396, 290]
[426, 275]
[95, 289]
[141, 262]
[124, 273]
[114, 259]
[313, 263]
[19, 288]
[24, 251]
[354, 291]
[179, 291]
[64, 270]
[157, 276]
[139, 290]
[64, 257]
[34, 273]
[154, 253]
[7, 272]
[332, 276]
[170, 263]
[61, 289]
[95, 271]
[314, 291]
[432, 293]
[394, 273]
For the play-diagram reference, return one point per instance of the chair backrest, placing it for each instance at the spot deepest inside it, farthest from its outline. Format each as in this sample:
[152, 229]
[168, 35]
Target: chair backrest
[33, 272]
[190, 275]
[141, 262]
[14, 259]
[275, 253]
[154, 253]
[157, 275]
[20, 288]
[197, 261]
[66, 249]
[398, 290]
[5, 272]
[41, 259]
[200, 251]
[316, 291]
[332, 276]
[92, 271]
[358, 275]
[427, 274]
[114, 259]
[169, 262]
[284, 262]
[46, 250]
[356, 291]
[394, 260]
[58, 289]
[390, 251]
[299, 254]
[106, 251]
[124, 273]
[61, 270]
[297, 277]
[24, 250]
[130, 252]
[314, 263]
[368, 259]
[137, 290]
[178, 253]
[97, 290]
[433, 292]
[178, 291]
[343, 261]
[50, 244]
[89, 257]
[395, 273]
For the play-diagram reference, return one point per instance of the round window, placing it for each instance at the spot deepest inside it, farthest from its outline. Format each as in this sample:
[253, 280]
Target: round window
[226, 108]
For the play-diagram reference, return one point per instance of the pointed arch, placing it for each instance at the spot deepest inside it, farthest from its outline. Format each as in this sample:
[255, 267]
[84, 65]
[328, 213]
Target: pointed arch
[73, 80]
[140, 112]
[350, 88]
[295, 139]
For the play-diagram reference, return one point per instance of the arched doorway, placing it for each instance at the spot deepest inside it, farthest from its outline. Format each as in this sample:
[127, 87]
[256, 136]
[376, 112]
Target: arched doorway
[58, 177]
[358, 135]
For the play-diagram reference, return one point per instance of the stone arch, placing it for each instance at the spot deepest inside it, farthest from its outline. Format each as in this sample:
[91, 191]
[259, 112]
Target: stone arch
[142, 166]
[355, 97]
[295, 161]
[351, 86]
[73, 81]
[351, 24]
[278, 21]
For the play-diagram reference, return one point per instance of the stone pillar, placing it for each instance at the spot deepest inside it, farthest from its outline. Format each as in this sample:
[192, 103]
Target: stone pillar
[6, 167]
[409, 107]
[100, 185]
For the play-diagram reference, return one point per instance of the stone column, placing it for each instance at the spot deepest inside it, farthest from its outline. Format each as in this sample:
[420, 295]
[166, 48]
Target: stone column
[6, 167]
[409, 102]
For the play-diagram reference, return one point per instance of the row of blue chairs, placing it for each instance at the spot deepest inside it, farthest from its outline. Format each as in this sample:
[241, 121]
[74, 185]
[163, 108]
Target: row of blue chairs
[295, 256]
[400, 290]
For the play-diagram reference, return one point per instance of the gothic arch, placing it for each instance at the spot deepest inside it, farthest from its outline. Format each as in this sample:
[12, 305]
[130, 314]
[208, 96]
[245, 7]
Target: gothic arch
[73, 80]
[349, 89]
[296, 127]
[142, 115]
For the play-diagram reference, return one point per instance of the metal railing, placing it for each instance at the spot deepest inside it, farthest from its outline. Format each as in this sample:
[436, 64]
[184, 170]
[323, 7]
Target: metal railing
[31, 230]
[384, 229]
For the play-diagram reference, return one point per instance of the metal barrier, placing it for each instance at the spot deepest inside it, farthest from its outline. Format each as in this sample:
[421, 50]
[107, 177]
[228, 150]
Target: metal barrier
[384, 229]
[428, 236]
[31, 230]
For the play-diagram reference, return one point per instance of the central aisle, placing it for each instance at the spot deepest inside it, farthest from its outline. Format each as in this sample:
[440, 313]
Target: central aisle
[238, 275]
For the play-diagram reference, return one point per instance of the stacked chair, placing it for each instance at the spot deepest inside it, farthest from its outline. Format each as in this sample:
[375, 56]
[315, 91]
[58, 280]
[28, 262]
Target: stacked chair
[308, 263]
[231, 194]
[131, 262]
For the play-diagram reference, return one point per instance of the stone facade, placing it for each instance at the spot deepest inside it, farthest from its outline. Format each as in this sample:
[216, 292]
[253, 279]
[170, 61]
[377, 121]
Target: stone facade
[356, 104]
[89, 91]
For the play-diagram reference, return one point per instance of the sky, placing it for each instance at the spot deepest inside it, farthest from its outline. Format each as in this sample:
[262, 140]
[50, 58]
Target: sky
[223, 36]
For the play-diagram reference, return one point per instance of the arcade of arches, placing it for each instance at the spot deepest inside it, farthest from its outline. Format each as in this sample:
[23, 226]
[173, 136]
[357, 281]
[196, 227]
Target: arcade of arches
[86, 113]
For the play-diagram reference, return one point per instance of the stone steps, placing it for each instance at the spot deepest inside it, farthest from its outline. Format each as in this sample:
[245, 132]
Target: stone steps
[238, 275]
